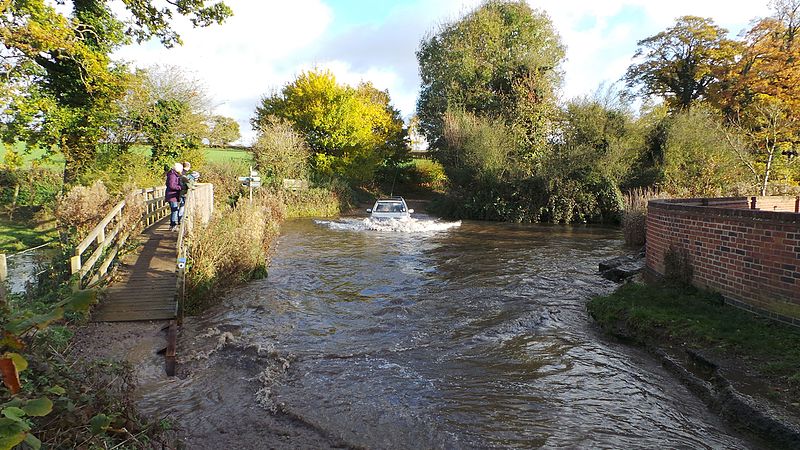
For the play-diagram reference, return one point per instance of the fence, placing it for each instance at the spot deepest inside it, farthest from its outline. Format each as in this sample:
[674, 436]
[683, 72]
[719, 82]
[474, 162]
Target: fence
[746, 248]
[199, 207]
[108, 238]
[4, 266]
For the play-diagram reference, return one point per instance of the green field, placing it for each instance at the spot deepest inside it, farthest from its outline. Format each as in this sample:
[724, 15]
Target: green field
[218, 155]
[19, 234]
[56, 161]
[34, 156]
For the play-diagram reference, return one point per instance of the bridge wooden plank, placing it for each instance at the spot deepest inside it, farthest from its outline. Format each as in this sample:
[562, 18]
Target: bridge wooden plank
[139, 304]
[135, 316]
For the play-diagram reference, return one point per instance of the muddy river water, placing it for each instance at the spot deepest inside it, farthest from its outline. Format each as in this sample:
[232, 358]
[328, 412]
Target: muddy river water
[465, 335]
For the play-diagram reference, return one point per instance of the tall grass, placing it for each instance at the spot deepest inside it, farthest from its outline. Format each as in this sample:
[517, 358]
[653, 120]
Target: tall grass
[233, 248]
[312, 202]
[634, 216]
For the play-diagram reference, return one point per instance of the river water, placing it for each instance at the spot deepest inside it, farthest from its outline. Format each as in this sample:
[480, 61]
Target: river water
[464, 335]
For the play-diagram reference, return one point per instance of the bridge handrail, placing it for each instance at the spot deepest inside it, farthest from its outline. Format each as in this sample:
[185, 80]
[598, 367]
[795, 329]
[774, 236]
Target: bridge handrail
[199, 205]
[155, 208]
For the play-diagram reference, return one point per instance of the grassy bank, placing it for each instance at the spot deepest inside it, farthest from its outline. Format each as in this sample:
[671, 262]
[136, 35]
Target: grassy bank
[313, 202]
[665, 315]
[18, 235]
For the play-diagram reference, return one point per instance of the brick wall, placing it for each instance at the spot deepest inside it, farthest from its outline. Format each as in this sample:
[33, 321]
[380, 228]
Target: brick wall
[752, 257]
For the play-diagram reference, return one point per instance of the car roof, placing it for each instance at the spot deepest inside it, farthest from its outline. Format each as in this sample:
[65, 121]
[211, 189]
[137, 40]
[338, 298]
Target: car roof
[390, 199]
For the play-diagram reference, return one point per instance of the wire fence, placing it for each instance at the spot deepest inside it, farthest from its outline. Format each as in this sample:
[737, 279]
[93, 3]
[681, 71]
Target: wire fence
[4, 265]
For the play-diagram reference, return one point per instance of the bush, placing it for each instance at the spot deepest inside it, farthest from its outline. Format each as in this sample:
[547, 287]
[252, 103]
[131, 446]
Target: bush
[312, 202]
[225, 178]
[233, 248]
[698, 161]
[80, 209]
[678, 266]
[476, 148]
[281, 152]
[429, 175]
[37, 186]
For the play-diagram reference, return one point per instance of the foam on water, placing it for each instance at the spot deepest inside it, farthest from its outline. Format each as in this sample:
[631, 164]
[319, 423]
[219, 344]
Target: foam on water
[389, 225]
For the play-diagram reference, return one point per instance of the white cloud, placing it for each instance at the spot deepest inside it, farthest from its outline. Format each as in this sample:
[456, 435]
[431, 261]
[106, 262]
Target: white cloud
[602, 52]
[266, 44]
[245, 57]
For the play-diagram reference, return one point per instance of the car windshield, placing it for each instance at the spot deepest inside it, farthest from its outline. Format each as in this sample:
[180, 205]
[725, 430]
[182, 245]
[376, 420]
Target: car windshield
[389, 207]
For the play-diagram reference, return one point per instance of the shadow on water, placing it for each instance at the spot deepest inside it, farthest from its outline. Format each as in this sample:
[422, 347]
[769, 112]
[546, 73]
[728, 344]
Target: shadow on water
[466, 336]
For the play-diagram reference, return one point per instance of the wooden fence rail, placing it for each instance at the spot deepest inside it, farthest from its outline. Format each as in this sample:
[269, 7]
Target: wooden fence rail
[105, 241]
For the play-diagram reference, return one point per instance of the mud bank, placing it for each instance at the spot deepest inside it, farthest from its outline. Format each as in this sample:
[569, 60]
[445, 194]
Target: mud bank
[250, 422]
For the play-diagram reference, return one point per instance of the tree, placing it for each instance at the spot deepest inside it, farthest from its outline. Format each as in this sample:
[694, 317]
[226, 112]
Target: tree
[350, 131]
[698, 161]
[681, 63]
[501, 61]
[764, 132]
[761, 95]
[60, 85]
[222, 131]
[280, 151]
[165, 107]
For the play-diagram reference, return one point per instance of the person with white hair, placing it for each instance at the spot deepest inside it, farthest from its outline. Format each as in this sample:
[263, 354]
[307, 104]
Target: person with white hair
[173, 195]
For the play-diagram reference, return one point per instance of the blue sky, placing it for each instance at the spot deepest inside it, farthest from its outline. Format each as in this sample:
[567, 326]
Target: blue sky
[267, 43]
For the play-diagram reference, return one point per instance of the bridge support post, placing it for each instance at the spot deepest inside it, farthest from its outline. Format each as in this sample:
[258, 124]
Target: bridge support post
[172, 344]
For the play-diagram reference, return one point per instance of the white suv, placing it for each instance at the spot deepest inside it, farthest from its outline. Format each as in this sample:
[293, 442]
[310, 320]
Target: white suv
[390, 208]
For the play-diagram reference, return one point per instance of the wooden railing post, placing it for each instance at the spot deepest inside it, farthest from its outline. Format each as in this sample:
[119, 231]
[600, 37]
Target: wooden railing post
[75, 269]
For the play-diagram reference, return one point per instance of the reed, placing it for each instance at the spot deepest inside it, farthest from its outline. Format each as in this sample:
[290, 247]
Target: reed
[634, 215]
[232, 249]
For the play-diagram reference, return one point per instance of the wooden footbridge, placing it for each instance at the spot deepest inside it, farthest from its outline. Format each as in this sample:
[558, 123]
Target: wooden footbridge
[149, 281]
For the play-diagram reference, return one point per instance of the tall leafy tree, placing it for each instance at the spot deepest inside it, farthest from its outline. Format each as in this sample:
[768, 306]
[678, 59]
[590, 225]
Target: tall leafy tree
[222, 131]
[761, 96]
[500, 61]
[349, 130]
[166, 108]
[682, 63]
[60, 85]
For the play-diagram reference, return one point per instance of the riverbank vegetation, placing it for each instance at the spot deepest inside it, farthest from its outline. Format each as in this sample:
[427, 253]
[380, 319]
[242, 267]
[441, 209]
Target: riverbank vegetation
[233, 248]
[710, 124]
[681, 317]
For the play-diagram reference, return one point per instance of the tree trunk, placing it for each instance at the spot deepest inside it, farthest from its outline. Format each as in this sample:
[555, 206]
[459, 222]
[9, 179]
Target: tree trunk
[14, 202]
[767, 170]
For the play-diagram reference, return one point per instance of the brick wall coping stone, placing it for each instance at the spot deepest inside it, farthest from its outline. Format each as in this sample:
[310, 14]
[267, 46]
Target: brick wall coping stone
[706, 207]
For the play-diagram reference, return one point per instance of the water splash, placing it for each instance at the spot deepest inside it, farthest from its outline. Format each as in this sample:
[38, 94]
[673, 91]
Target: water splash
[389, 225]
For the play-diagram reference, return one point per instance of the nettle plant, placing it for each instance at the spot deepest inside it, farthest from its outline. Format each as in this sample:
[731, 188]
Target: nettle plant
[26, 401]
